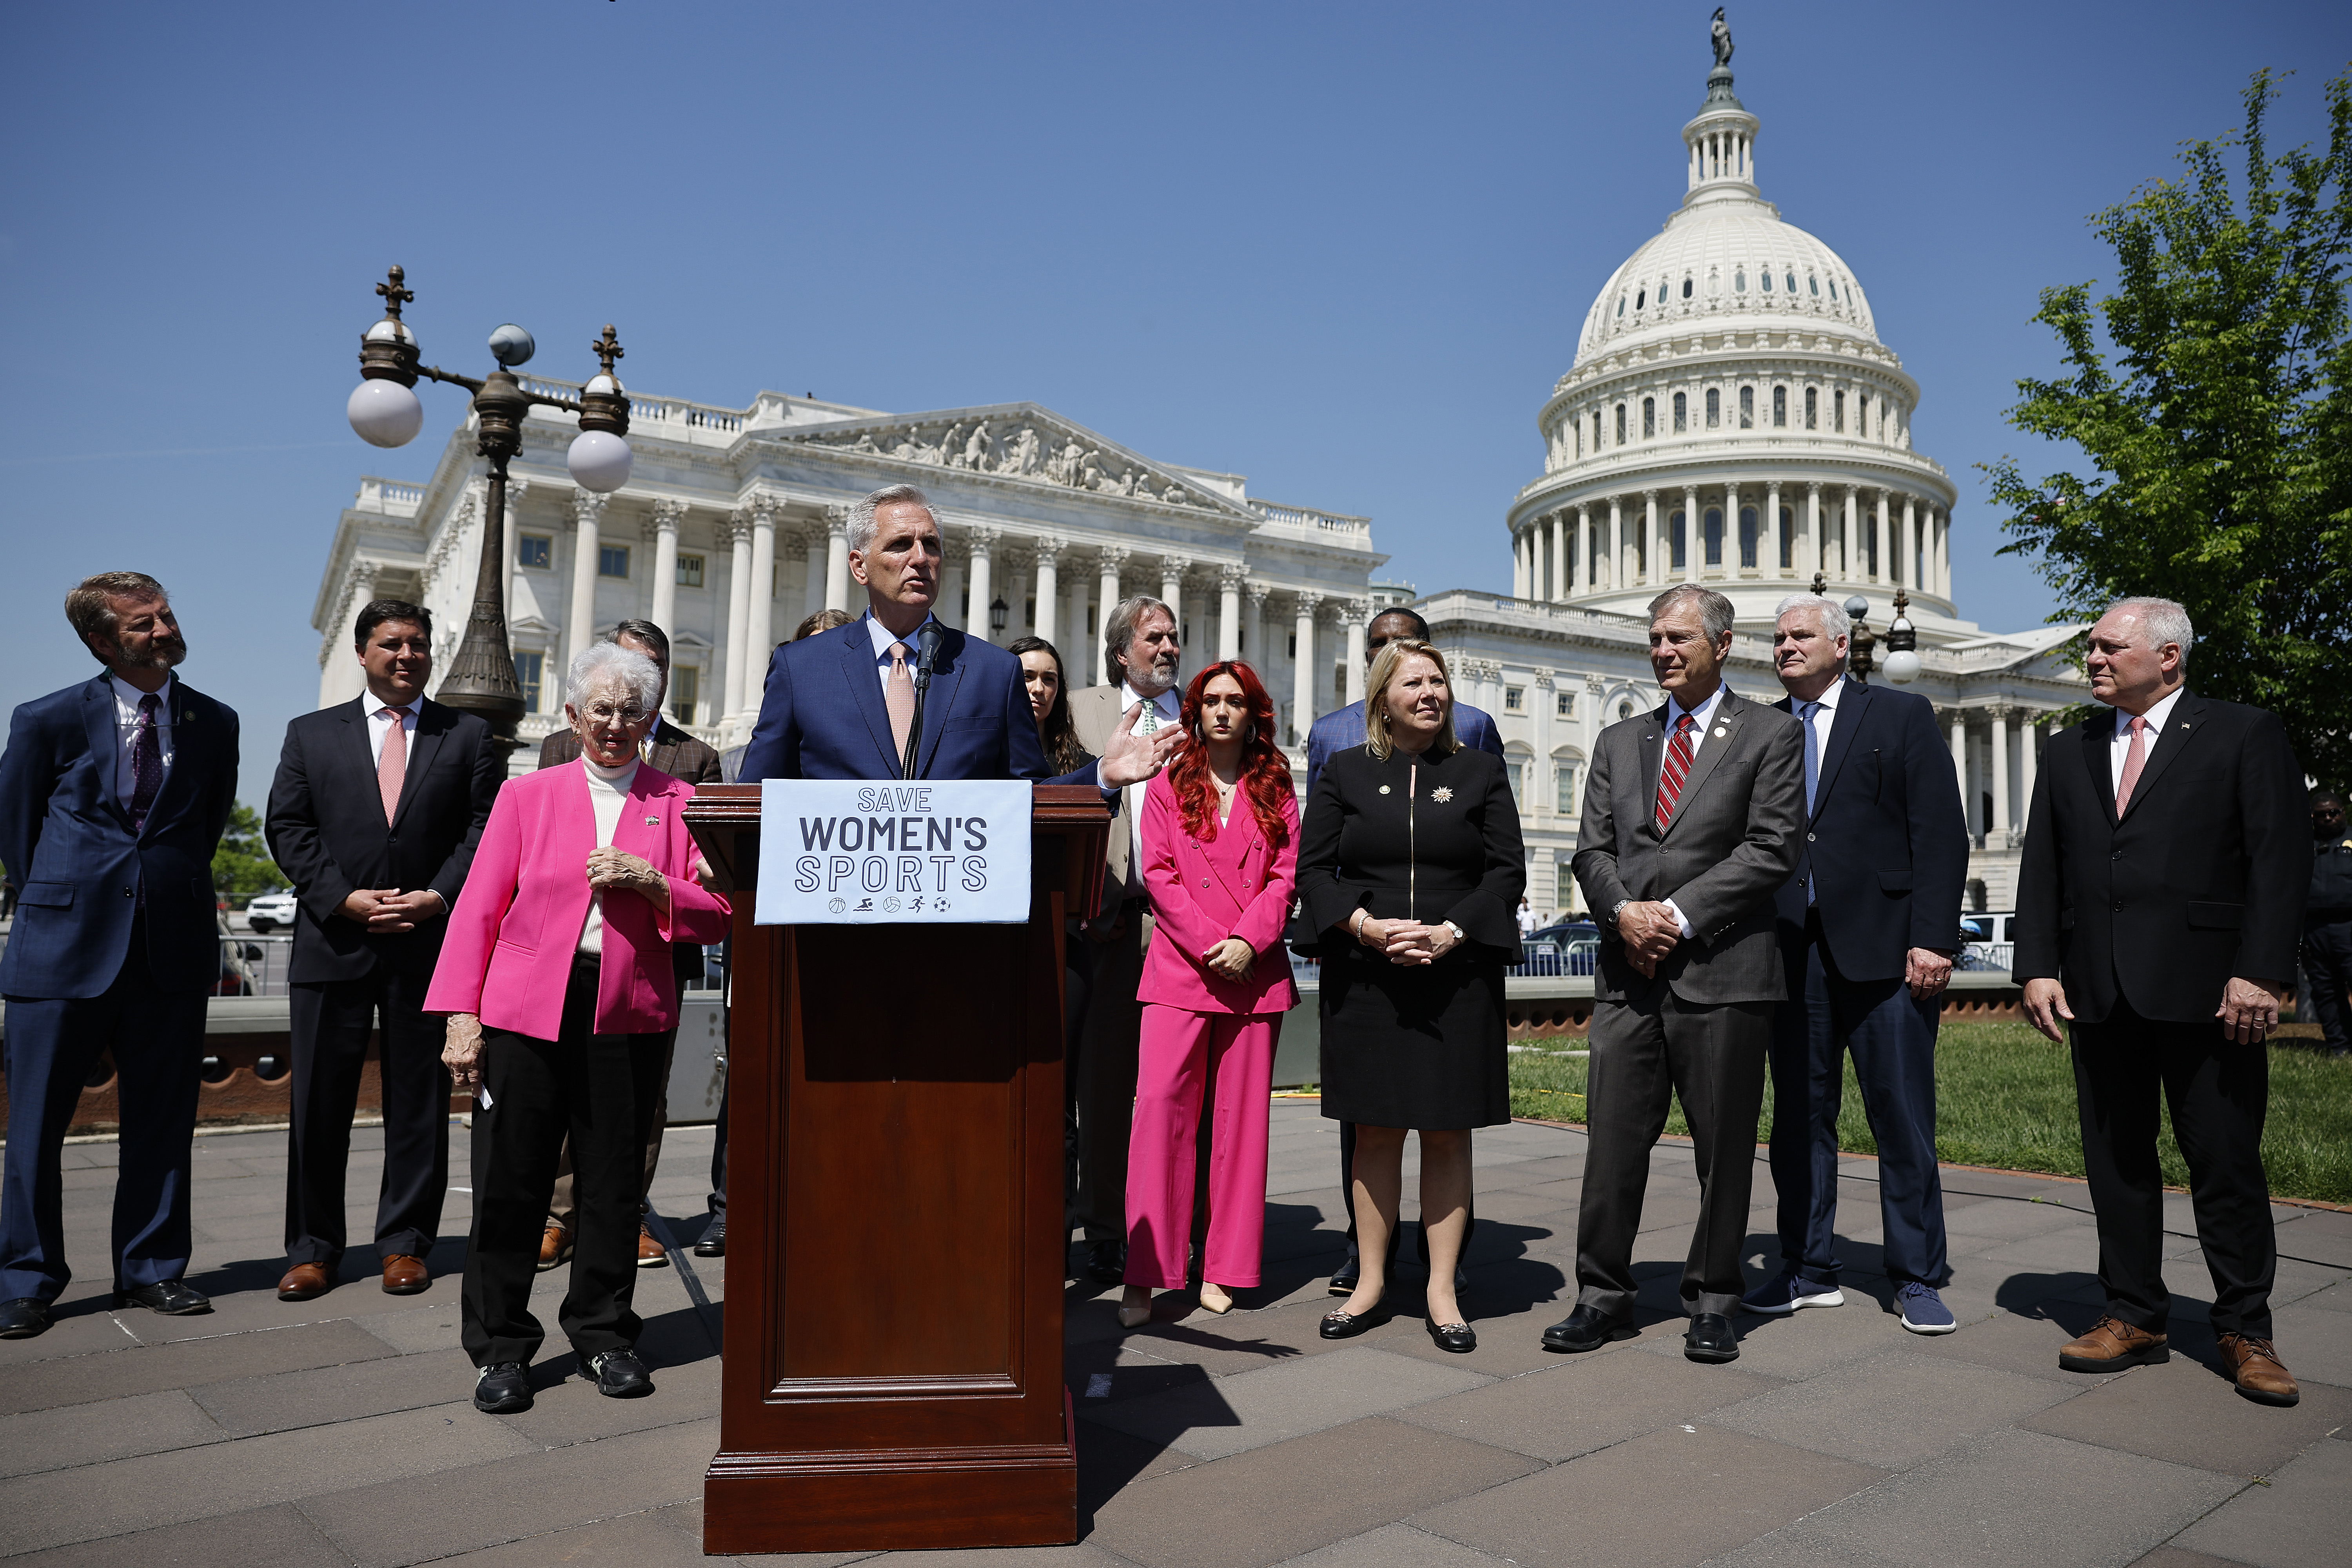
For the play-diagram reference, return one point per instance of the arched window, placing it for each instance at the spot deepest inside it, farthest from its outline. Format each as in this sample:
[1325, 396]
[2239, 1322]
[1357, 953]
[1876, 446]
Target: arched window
[1837, 411]
[1686, 288]
[1791, 280]
[1680, 535]
[1812, 407]
[1787, 539]
[1748, 408]
[1766, 279]
[1861, 414]
[1714, 556]
[1620, 425]
[1780, 407]
[1739, 282]
[1832, 289]
[1640, 298]
[1596, 431]
[1682, 413]
[1747, 536]
[1714, 406]
[1815, 284]
[1714, 282]
[1516, 759]
[1624, 710]
[1565, 766]
[1649, 418]
[1621, 307]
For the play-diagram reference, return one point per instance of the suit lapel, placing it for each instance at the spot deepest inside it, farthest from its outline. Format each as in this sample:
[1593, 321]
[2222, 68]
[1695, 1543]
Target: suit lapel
[1228, 858]
[947, 676]
[2175, 737]
[98, 722]
[2098, 735]
[432, 727]
[640, 827]
[865, 691]
[1722, 730]
[1853, 703]
[1653, 760]
[189, 751]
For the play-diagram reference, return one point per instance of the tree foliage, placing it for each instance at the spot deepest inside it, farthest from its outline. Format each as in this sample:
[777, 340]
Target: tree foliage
[242, 866]
[2220, 433]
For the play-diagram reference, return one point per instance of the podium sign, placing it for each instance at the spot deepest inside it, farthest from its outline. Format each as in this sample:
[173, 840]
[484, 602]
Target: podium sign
[861, 852]
[894, 1232]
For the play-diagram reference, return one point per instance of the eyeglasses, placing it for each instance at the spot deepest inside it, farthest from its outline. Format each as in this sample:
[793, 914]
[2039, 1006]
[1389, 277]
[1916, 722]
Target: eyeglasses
[605, 713]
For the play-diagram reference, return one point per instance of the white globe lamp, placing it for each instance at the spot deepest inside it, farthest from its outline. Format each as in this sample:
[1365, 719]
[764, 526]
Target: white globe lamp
[599, 461]
[385, 413]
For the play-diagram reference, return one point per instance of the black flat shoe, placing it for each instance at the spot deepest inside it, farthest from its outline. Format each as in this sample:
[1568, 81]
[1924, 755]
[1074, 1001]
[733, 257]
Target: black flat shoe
[502, 1388]
[1347, 1326]
[1344, 1277]
[1586, 1329]
[171, 1297]
[1459, 1338]
[1711, 1338]
[620, 1375]
[714, 1239]
[23, 1318]
[1107, 1262]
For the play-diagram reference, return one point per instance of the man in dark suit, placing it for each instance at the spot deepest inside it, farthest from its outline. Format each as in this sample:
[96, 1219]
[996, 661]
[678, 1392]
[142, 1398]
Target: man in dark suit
[1867, 929]
[841, 705]
[2158, 906]
[1694, 815]
[374, 816]
[1342, 729]
[113, 794]
[672, 750]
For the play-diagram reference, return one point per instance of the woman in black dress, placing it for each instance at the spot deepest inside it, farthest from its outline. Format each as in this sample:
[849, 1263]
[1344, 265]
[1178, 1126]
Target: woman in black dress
[1410, 864]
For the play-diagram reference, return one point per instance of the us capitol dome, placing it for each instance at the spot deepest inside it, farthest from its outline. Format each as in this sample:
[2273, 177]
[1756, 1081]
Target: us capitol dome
[1732, 420]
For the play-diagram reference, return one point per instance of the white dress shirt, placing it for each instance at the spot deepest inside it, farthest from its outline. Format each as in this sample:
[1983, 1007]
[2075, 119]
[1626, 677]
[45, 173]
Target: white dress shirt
[1701, 717]
[608, 792]
[126, 732]
[379, 714]
[1821, 720]
[2120, 748]
[1166, 710]
[883, 638]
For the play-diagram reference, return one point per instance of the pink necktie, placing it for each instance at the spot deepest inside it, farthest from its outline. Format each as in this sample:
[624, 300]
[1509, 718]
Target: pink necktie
[900, 697]
[392, 764]
[2134, 760]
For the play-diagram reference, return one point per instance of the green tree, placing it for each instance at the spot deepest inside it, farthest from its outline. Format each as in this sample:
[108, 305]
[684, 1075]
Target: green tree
[242, 866]
[2221, 438]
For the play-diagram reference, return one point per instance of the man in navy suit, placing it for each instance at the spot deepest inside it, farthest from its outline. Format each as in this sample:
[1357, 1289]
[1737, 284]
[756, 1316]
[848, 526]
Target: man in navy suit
[1867, 926]
[113, 794]
[1338, 730]
[841, 705]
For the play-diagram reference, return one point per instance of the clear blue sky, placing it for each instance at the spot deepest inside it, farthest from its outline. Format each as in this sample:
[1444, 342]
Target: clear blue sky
[1344, 251]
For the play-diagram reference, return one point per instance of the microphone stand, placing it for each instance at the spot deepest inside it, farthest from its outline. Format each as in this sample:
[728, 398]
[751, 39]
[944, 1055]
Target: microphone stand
[927, 639]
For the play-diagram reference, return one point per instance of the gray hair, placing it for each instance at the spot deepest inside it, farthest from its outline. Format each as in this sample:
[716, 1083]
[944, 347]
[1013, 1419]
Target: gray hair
[1118, 629]
[2166, 622]
[861, 516]
[603, 661]
[1714, 612]
[1836, 622]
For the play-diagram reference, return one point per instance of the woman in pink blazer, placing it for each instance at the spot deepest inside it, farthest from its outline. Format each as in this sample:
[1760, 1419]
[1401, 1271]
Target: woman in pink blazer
[1219, 840]
[555, 974]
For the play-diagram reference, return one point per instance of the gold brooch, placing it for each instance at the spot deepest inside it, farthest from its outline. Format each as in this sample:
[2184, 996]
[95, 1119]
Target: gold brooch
[1384, 789]
[1441, 793]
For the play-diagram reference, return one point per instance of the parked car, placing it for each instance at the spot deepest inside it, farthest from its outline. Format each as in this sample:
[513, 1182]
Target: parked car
[267, 911]
[1564, 947]
[1987, 939]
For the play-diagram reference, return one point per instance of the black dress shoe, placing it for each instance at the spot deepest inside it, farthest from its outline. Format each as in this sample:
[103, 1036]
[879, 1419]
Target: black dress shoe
[714, 1238]
[1344, 1277]
[1459, 1338]
[620, 1375]
[1711, 1338]
[503, 1388]
[1346, 1325]
[1586, 1329]
[23, 1318]
[170, 1297]
[1107, 1262]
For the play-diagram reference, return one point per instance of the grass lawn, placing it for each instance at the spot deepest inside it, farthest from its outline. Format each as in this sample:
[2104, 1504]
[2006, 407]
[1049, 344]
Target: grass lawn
[2005, 1096]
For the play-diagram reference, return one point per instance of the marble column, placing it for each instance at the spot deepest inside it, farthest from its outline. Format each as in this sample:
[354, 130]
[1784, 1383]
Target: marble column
[1171, 583]
[1519, 563]
[1254, 646]
[1944, 554]
[1560, 559]
[1654, 552]
[1907, 559]
[1616, 542]
[1048, 590]
[662, 533]
[1961, 758]
[1359, 615]
[1848, 568]
[1882, 563]
[837, 558]
[1769, 547]
[2029, 759]
[982, 569]
[759, 627]
[1999, 766]
[814, 547]
[735, 532]
[1302, 682]
[1694, 535]
[1809, 557]
[1731, 551]
[1107, 562]
[1591, 556]
[1229, 611]
[580, 623]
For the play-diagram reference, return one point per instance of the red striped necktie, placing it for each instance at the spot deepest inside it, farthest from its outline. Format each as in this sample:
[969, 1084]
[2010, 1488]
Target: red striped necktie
[1674, 772]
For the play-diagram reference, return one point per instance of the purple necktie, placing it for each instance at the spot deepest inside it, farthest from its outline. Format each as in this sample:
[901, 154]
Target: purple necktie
[146, 764]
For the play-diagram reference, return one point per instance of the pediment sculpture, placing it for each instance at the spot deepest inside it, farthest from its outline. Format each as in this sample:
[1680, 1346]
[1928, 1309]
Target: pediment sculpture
[1015, 448]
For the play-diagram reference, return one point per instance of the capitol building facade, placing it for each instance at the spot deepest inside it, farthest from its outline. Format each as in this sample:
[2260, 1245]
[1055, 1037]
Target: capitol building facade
[1730, 418]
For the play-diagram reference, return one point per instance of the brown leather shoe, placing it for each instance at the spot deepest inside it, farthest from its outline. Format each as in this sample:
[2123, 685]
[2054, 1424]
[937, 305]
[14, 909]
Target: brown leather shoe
[304, 1281]
[405, 1276]
[2259, 1374]
[554, 1246]
[650, 1253]
[2112, 1346]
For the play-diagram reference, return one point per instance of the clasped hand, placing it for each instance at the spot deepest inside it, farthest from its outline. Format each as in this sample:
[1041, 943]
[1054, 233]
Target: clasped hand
[617, 871]
[1649, 931]
[1231, 958]
[388, 912]
[1405, 942]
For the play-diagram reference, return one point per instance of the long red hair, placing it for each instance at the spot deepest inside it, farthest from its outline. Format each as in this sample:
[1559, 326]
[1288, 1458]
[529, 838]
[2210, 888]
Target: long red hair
[1265, 771]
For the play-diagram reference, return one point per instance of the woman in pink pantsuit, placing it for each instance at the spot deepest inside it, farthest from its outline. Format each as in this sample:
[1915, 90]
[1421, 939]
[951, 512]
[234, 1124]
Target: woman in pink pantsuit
[1219, 841]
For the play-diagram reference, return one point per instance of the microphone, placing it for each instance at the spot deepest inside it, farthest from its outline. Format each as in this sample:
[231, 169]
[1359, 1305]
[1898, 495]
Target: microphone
[928, 637]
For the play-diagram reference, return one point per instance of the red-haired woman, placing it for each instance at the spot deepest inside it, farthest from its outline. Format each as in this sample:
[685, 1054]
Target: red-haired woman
[1220, 849]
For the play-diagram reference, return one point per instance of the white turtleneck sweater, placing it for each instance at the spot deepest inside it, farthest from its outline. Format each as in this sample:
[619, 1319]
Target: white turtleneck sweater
[608, 792]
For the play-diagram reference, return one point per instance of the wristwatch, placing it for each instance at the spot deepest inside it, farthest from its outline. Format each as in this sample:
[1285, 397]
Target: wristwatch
[1459, 934]
[1617, 909]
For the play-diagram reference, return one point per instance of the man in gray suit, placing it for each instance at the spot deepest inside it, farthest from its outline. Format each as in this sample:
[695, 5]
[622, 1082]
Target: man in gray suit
[1694, 817]
[1142, 650]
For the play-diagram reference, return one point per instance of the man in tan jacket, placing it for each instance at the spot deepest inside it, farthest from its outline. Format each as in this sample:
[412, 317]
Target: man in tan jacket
[1142, 650]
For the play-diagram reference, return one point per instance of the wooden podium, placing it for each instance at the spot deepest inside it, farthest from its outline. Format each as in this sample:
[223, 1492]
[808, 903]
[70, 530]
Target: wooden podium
[896, 1236]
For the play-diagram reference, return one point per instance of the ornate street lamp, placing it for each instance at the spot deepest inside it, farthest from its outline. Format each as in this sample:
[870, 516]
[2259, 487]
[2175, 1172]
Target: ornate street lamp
[999, 614]
[1902, 644]
[1858, 649]
[384, 412]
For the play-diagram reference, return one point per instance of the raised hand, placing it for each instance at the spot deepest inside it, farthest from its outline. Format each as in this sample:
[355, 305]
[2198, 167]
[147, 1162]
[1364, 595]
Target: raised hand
[1132, 758]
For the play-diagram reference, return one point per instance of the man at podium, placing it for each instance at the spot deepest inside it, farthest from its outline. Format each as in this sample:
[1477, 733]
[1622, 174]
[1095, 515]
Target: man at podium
[843, 705]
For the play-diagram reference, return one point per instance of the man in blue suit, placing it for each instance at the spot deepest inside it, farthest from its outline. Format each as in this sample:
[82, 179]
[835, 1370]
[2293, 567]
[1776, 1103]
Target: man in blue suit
[113, 794]
[841, 705]
[1867, 925]
[1335, 732]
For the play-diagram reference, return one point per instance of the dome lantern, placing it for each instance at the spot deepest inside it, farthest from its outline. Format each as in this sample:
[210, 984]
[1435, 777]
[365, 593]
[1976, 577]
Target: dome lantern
[1720, 140]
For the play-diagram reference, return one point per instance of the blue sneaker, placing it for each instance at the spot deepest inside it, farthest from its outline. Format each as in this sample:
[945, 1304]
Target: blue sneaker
[1924, 1311]
[1789, 1291]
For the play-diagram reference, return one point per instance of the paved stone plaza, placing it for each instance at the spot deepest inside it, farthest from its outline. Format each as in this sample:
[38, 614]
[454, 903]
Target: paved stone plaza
[339, 1431]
